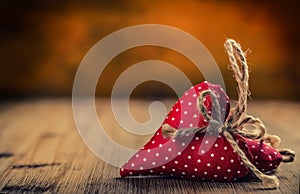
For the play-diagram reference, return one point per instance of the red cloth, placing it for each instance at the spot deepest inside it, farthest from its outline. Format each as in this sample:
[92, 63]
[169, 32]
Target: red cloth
[198, 156]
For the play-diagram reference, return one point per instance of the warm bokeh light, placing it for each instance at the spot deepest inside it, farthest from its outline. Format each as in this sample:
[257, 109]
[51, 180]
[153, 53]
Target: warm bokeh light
[42, 43]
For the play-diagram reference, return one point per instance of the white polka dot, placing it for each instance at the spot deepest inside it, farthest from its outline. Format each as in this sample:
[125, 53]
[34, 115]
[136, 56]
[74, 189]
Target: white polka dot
[195, 116]
[197, 138]
[183, 144]
[262, 150]
[191, 125]
[176, 162]
[185, 112]
[225, 148]
[202, 151]
[194, 95]
[130, 172]
[193, 176]
[177, 109]
[141, 168]
[270, 156]
[270, 164]
[275, 153]
[198, 160]
[169, 149]
[157, 154]
[160, 145]
[157, 133]
[153, 163]
[262, 169]
[212, 155]
[189, 103]
[228, 170]
[186, 93]
[148, 150]
[208, 164]
[153, 142]
[185, 166]
[222, 158]
[267, 147]
[242, 163]
[166, 158]
[231, 161]
[173, 170]
[256, 163]
[195, 169]
[205, 172]
[181, 121]
[167, 117]
[256, 157]
[181, 101]
[132, 164]
[122, 169]
[151, 171]
[161, 173]
[173, 118]
[144, 159]
[178, 153]
[137, 156]
[253, 146]
[216, 145]
[225, 177]
[218, 167]
[238, 172]
[215, 176]
[173, 140]
[206, 142]
[189, 157]
[199, 87]
[163, 167]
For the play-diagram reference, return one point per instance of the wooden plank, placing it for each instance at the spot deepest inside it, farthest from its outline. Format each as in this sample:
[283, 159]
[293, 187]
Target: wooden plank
[41, 151]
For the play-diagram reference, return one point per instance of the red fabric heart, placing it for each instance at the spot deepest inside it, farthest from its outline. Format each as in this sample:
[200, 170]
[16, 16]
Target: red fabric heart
[200, 156]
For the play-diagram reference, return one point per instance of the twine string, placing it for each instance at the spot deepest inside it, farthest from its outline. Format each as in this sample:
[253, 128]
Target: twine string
[238, 118]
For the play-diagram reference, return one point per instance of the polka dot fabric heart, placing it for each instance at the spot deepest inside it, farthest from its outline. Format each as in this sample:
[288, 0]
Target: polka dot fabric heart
[182, 157]
[203, 138]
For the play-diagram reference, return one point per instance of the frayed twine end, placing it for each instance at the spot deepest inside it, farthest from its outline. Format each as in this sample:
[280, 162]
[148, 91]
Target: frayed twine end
[168, 131]
[269, 182]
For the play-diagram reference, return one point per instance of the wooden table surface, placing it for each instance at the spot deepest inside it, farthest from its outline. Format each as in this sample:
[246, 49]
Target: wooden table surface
[41, 151]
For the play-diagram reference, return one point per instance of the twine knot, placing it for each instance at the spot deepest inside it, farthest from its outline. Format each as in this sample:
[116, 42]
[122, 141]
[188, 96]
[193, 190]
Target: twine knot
[237, 119]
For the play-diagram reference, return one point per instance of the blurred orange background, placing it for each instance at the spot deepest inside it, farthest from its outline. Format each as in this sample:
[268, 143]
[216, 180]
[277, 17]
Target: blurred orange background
[43, 43]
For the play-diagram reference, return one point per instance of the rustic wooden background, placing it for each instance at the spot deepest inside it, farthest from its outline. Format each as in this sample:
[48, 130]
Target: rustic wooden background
[41, 151]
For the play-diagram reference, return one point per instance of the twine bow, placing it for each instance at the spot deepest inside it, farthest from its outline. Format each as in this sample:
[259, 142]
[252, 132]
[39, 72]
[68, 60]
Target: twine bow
[238, 118]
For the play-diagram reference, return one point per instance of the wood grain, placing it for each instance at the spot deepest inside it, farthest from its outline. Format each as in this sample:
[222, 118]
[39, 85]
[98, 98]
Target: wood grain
[41, 151]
